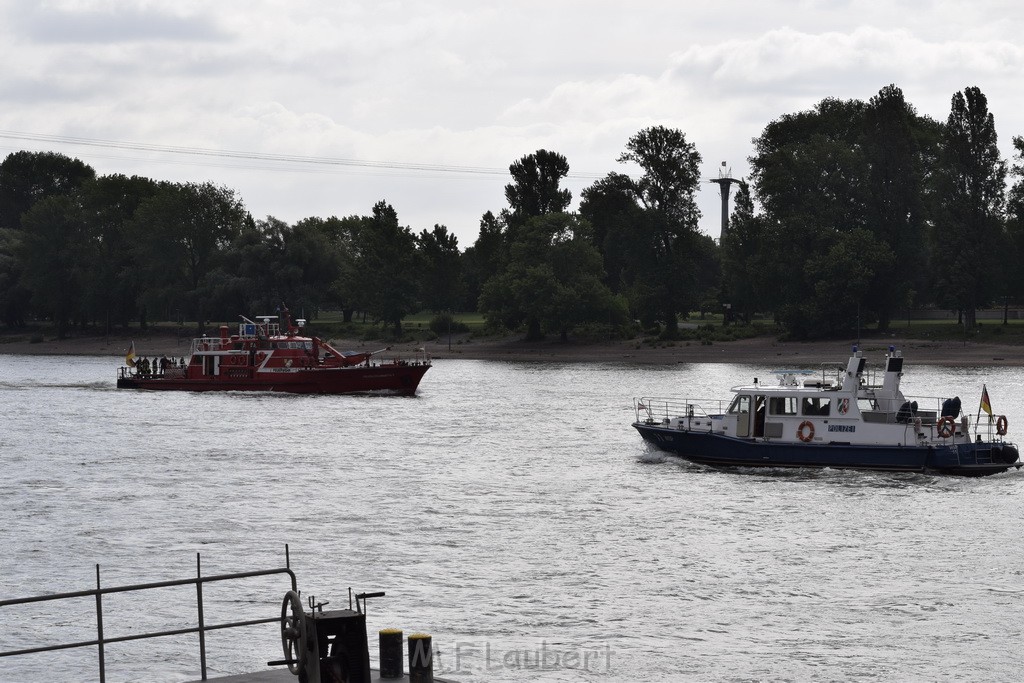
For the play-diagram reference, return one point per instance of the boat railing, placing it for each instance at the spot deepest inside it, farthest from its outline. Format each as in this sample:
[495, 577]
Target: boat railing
[253, 330]
[103, 638]
[174, 370]
[926, 411]
[987, 427]
[650, 409]
[203, 344]
[418, 356]
[832, 374]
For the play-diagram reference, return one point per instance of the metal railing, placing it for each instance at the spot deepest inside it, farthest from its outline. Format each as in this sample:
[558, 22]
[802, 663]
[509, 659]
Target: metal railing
[655, 409]
[201, 628]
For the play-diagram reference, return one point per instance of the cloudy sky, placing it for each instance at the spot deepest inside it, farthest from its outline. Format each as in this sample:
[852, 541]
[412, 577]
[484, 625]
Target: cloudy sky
[323, 108]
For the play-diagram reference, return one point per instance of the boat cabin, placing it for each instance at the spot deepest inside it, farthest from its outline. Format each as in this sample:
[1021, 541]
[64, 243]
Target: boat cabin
[833, 409]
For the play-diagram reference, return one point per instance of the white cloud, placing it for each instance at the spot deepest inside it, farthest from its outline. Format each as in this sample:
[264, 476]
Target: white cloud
[469, 84]
[111, 22]
[787, 58]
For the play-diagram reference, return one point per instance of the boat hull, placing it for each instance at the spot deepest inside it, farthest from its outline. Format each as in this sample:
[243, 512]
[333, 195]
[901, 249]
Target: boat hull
[706, 448]
[399, 379]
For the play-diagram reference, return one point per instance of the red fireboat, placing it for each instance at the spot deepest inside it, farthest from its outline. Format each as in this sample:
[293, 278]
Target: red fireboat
[262, 357]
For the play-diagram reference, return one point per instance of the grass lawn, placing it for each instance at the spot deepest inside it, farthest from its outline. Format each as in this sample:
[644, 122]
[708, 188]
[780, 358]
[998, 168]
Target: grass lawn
[709, 329]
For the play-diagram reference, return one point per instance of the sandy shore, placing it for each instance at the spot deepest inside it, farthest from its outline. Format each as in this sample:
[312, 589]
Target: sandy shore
[765, 351]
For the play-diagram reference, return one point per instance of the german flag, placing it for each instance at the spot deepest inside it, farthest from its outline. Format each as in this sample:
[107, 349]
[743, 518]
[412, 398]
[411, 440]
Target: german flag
[129, 358]
[986, 405]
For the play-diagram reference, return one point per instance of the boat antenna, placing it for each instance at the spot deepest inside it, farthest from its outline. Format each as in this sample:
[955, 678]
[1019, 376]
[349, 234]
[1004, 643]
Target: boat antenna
[858, 323]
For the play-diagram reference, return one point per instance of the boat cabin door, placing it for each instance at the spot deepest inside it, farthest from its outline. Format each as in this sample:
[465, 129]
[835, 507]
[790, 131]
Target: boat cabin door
[211, 365]
[749, 412]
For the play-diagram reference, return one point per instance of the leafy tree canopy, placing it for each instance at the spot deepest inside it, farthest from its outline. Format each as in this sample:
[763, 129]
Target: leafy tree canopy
[28, 177]
[534, 190]
[551, 281]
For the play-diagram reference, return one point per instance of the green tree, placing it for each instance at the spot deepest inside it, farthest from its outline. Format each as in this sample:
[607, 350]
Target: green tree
[28, 177]
[54, 252]
[25, 179]
[482, 260]
[841, 278]
[270, 263]
[440, 277]
[971, 183]
[311, 264]
[745, 248]
[535, 187]
[245, 280]
[898, 148]
[347, 288]
[813, 180]
[551, 281]
[611, 207]
[108, 204]
[14, 296]
[1014, 252]
[663, 272]
[387, 265]
[808, 171]
[179, 234]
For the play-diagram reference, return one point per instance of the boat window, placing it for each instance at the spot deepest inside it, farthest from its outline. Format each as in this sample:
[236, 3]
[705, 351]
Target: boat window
[867, 404]
[817, 405]
[782, 405]
[741, 404]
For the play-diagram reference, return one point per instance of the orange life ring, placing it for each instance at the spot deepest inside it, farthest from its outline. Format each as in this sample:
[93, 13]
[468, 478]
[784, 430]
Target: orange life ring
[809, 434]
[947, 427]
[1001, 425]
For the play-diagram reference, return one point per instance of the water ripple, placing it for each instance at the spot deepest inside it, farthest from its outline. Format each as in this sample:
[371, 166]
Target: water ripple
[509, 509]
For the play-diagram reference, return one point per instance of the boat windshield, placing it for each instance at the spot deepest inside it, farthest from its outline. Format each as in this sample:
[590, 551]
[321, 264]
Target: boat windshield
[307, 345]
[740, 404]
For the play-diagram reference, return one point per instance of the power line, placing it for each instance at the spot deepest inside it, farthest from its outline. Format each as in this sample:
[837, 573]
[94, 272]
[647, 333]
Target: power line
[325, 162]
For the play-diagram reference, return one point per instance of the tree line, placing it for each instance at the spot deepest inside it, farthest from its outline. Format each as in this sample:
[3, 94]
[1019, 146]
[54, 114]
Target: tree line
[853, 211]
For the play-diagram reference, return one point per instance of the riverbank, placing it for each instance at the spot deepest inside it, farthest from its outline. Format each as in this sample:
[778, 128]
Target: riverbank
[765, 351]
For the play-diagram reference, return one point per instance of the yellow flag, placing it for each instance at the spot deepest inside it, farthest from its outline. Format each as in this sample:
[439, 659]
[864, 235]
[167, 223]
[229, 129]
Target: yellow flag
[129, 358]
[985, 404]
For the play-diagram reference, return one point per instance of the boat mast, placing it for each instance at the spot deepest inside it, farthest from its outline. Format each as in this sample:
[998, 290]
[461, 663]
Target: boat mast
[854, 370]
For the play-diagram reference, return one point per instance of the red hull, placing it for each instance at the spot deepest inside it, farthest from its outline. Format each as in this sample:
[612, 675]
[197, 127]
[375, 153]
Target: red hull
[401, 379]
[272, 356]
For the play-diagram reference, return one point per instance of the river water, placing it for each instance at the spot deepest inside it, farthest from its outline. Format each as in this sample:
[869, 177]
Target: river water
[510, 511]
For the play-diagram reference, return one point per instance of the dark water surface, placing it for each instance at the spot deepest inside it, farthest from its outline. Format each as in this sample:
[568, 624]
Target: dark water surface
[510, 511]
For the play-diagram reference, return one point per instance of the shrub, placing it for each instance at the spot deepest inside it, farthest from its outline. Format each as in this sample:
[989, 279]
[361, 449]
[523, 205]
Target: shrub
[441, 323]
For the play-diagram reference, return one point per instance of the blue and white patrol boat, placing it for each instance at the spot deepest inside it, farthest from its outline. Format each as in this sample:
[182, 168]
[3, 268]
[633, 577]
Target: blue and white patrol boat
[845, 418]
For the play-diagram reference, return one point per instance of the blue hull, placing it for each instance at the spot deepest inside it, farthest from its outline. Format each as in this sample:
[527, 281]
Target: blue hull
[965, 459]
